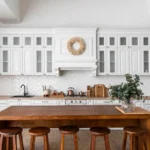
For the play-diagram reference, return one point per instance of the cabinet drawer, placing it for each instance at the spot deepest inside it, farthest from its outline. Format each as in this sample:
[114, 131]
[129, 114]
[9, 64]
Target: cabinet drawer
[44, 102]
[3, 102]
[13, 102]
[106, 102]
[25, 102]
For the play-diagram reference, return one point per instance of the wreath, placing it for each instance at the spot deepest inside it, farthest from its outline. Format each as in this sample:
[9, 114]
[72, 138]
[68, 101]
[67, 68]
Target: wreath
[70, 46]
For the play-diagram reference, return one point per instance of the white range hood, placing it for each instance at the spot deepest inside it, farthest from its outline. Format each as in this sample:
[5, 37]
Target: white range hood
[64, 60]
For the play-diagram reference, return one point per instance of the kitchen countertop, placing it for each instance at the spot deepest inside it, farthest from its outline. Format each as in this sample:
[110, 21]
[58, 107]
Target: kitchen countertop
[63, 98]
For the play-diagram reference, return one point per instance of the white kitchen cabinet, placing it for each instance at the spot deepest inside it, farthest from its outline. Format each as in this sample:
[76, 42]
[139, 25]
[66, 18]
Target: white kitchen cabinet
[123, 41]
[48, 41]
[39, 41]
[14, 102]
[25, 102]
[5, 61]
[3, 104]
[48, 57]
[90, 102]
[28, 61]
[135, 61]
[16, 41]
[39, 61]
[145, 40]
[139, 103]
[134, 41]
[16, 61]
[5, 41]
[106, 102]
[123, 61]
[44, 102]
[27, 41]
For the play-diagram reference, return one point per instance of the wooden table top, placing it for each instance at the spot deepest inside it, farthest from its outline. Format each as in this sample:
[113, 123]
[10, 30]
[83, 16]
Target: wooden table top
[67, 113]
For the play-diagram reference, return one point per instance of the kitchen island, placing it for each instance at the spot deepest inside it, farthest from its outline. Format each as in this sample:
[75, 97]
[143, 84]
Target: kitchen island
[82, 116]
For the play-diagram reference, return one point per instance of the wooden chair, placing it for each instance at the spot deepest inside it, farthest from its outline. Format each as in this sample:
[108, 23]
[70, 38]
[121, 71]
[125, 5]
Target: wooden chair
[66, 130]
[39, 131]
[100, 131]
[135, 133]
[11, 133]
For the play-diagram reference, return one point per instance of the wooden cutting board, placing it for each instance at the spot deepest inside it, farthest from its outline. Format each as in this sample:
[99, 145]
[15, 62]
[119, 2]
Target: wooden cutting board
[99, 90]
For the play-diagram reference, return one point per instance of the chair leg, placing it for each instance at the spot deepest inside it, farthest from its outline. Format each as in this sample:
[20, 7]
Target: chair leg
[21, 141]
[46, 143]
[14, 143]
[107, 145]
[131, 142]
[32, 143]
[62, 142]
[1, 142]
[136, 143]
[93, 142]
[76, 141]
[144, 142]
[124, 141]
[7, 143]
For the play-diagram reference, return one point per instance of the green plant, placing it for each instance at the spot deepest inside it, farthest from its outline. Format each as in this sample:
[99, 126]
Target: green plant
[127, 91]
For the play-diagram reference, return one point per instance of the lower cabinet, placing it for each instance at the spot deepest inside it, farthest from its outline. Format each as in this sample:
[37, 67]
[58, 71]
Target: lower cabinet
[3, 104]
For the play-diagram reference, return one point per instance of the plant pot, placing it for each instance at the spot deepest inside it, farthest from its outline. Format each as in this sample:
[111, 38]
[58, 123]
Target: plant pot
[128, 106]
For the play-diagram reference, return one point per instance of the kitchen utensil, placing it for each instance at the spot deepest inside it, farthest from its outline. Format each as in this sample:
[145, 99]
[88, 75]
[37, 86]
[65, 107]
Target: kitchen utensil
[70, 91]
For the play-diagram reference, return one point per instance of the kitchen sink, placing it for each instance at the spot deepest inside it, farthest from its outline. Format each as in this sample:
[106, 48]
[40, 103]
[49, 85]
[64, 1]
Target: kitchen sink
[22, 96]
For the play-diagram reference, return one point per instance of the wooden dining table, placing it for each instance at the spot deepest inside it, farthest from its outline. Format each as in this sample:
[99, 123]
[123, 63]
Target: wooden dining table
[82, 116]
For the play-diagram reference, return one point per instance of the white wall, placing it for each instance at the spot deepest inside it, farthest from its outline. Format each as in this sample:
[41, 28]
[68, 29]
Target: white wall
[10, 85]
[84, 13]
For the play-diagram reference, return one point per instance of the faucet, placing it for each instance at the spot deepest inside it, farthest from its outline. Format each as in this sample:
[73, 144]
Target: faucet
[24, 89]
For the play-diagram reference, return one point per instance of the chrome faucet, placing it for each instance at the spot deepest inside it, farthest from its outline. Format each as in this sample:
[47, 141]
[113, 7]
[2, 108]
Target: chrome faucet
[24, 89]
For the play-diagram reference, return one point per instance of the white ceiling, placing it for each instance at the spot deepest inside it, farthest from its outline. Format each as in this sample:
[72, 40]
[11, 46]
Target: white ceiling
[10, 11]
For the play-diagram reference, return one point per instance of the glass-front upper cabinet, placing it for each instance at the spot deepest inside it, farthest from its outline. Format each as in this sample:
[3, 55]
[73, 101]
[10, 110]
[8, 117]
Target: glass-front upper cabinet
[5, 61]
[123, 41]
[145, 41]
[28, 41]
[48, 62]
[39, 61]
[39, 41]
[4, 41]
[48, 41]
[134, 41]
[102, 41]
[112, 67]
[102, 62]
[16, 41]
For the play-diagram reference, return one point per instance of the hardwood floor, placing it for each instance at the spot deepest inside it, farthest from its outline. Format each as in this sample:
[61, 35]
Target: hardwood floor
[84, 139]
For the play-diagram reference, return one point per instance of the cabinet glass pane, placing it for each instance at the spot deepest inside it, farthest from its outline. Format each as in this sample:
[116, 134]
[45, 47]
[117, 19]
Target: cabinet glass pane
[112, 41]
[146, 61]
[123, 41]
[27, 40]
[38, 41]
[112, 66]
[49, 40]
[38, 55]
[5, 40]
[102, 68]
[134, 41]
[112, 61]
[5, 66]
[5, 55]
[16, 41]
[39, 63]
[49, 66]
[101, 41]
[145, 41]
[49, 56]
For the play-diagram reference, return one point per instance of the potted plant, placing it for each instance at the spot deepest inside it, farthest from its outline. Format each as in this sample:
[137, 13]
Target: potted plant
[127, 91]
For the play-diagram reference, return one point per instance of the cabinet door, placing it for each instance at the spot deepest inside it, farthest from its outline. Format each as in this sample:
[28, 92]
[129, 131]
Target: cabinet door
[25, 102]
[48, 41]
[112, 41]
[102, 41]
[48, 62]
[123, 61]
[145, 67]
[135, 61]
[16, 41]
[16, 61]
[102, 59]
[13, 102]
[3, 104]
[5, 41]
[123, 41]
[39, 61]
[28, 61]
[39, 41]
[28, 41]
[112, 61]
[134, 41]
[5, 61]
